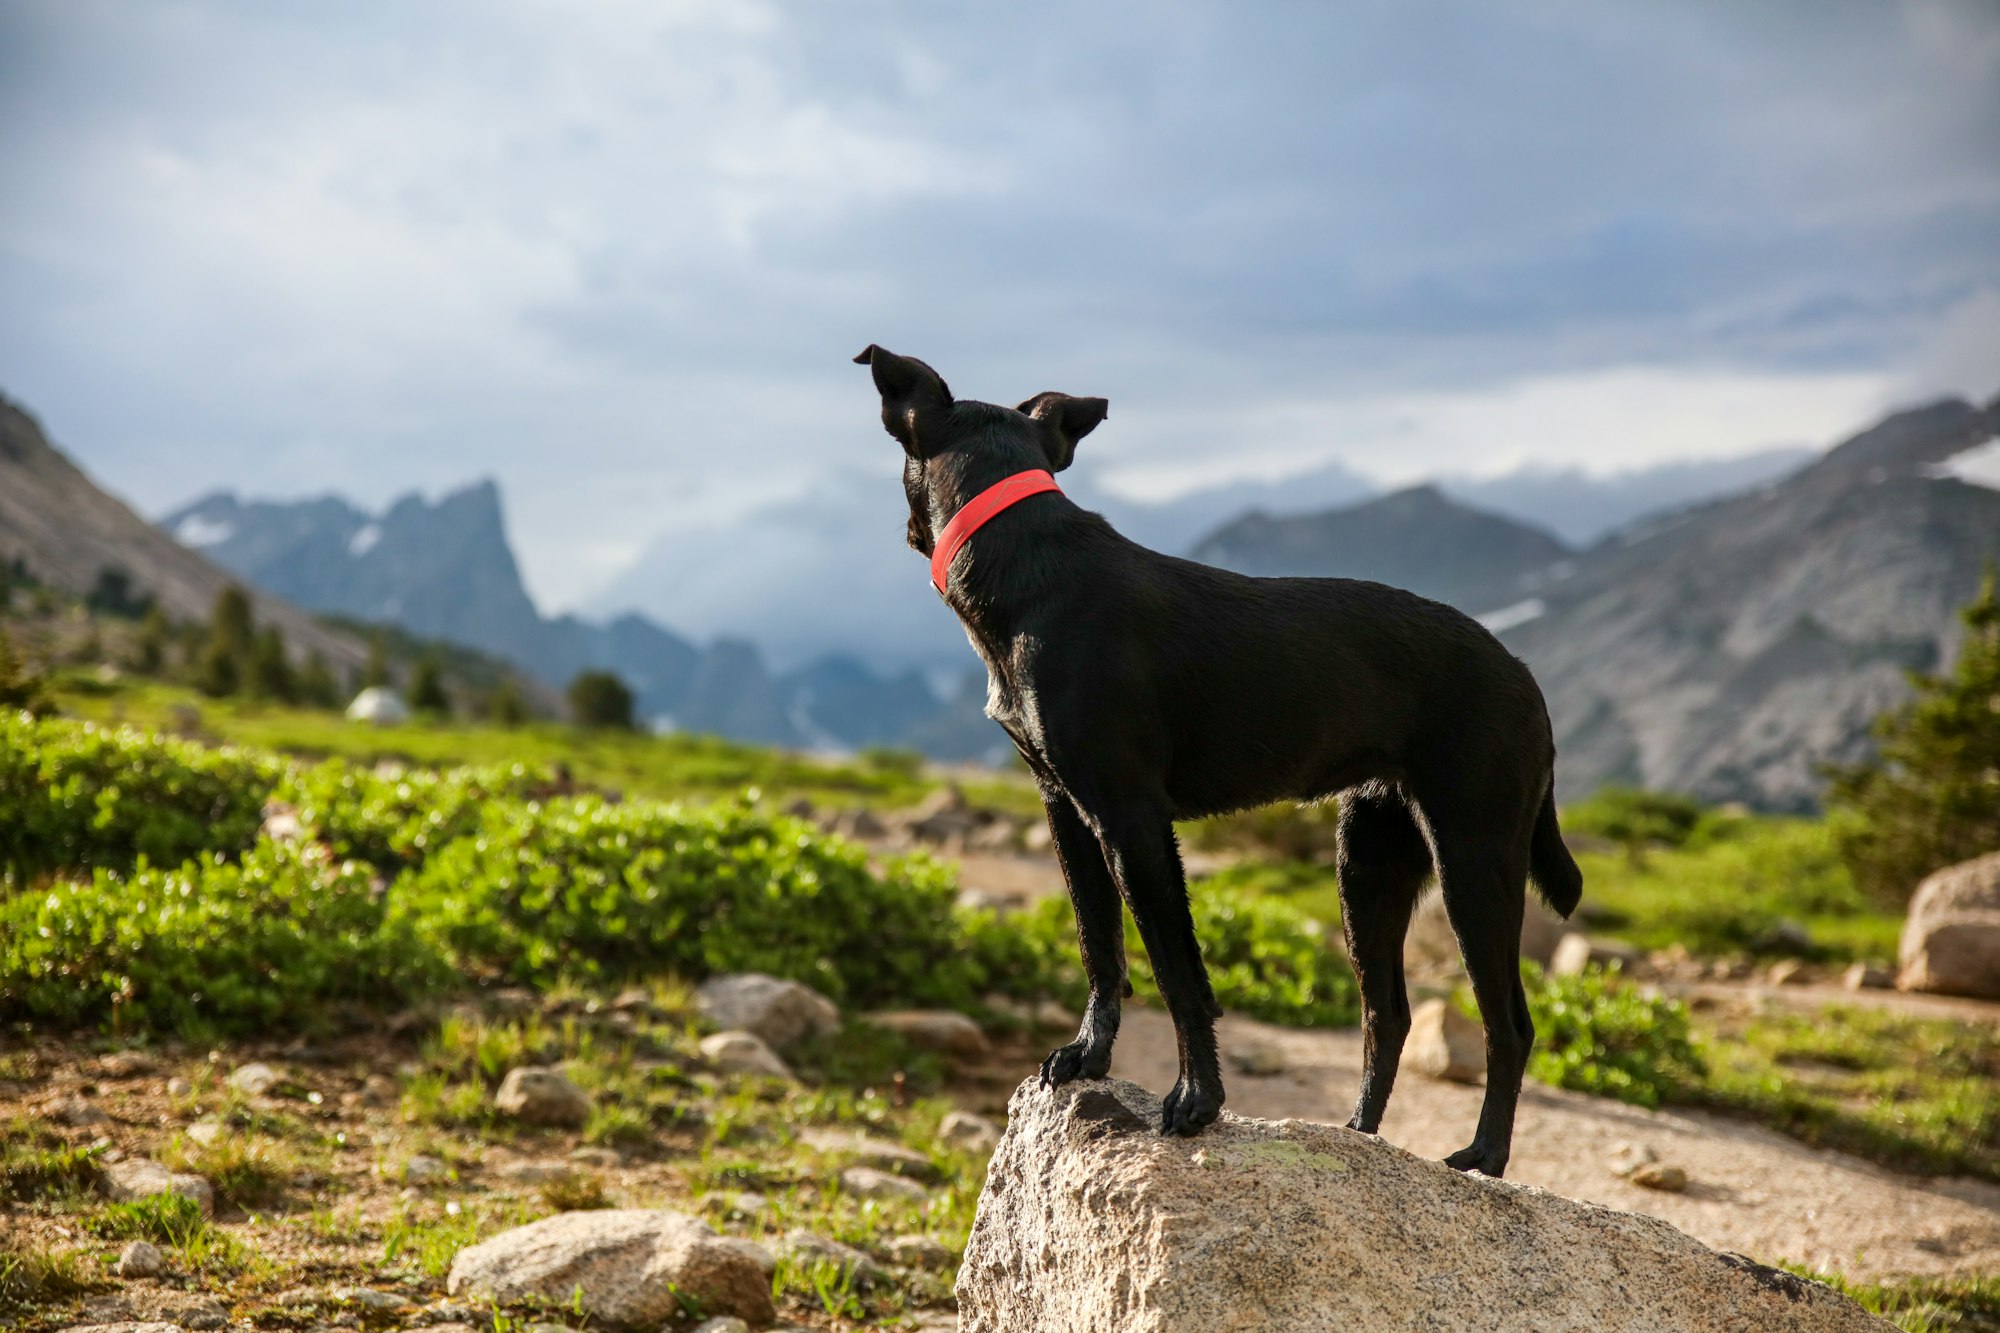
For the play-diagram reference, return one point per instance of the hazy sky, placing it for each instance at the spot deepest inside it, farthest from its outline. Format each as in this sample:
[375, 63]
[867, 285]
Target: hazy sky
[618, 254]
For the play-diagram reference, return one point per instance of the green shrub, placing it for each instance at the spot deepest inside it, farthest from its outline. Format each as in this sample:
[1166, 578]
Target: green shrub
[395, 819]
[1265, 958]
[80, 797]
[1635, 820]
[581, 888]
[1286, 831]
[1597, 1034]
[209, 945]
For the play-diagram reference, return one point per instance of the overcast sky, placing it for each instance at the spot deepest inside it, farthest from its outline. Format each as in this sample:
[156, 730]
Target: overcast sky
[618, 254]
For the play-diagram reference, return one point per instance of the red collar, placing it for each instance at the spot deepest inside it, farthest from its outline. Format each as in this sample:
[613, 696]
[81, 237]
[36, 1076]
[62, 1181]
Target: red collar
[979, 512]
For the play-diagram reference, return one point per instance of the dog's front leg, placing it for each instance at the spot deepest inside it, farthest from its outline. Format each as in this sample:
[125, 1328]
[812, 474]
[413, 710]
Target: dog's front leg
[1100, 930]
[1145, 863]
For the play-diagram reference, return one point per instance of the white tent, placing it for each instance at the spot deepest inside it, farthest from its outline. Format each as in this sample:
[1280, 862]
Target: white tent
[378, 704]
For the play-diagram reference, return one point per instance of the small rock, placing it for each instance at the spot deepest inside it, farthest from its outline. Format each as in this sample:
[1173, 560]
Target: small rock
[1260, 1059]
[865, 1182]
[781, 1013]
[740, 1204]
[963, 1129]
[1445, 1044]
[920, 1252]
[727, 1323]
[1787, 936]
[624, 1266]
[366, 1298]
[179, 1087]
[542, 1097]
[206, 1130]
[141, 1178]
[125, 1064]
[866, 1151]
[944, 1031]
[1051, 1014]
[255, 1080]
[140, 1259]
[424, 1169]
[743, 1053]
[1863, 977]
[1786, 972]
[77, 1112]
[1576, 953]
[1662, 1176]
[126, 1326]
[1629, 1157]
[534, 1173]
[806, 1247]
[599, 1158]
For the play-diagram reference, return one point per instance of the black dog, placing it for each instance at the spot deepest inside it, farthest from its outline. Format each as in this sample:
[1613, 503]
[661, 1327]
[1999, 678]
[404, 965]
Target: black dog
[1142, 689]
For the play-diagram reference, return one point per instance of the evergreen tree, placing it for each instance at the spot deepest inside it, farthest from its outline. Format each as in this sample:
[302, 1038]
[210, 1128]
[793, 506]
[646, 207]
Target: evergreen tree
[376, 674]
[600, 699]
[21, 688]
[149, 648]
[270, 672]
[1932, 795]
[427, 688]
[230, 642]
[317, 687]
[505, 706]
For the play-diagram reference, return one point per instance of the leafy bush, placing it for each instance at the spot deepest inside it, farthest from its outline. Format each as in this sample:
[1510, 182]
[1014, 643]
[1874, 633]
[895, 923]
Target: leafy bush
[581, 888]
[1597, 1034]
[395, 819]
[1265, 958]
[81, 797]
[1635, 820]
[209, 945]
[1286, 831]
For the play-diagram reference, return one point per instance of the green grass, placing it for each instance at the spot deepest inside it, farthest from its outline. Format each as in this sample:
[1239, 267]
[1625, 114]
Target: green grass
[662, 767]
[1914, 1094]
[1924, 1304]
[36, 1164]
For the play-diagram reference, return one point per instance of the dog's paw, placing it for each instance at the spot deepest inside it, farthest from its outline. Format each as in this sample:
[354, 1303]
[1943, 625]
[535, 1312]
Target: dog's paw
[1476, 1156]
[1066, 1064]
[1189, 1109]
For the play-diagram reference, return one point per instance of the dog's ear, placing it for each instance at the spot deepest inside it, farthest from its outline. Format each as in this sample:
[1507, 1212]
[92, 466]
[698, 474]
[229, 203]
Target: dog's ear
[1064, 420]
[914, 398]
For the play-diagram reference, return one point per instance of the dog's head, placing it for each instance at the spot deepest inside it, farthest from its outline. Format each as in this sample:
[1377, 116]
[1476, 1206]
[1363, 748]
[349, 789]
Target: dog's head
[952, 450]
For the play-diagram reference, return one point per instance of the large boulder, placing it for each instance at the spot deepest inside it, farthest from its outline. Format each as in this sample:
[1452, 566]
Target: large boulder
[1431, 946]
[626, 1266]
[1091, 1220]
[537, 1096]
[1951, 939]
[781, 1012]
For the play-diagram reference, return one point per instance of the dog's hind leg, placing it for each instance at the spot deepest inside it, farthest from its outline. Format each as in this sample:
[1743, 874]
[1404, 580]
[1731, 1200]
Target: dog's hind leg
[1384, 861]
[1100, 930]
[1145, 863]
[1485, 883]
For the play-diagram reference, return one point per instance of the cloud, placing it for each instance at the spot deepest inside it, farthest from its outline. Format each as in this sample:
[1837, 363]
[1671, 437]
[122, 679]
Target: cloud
[616, 253]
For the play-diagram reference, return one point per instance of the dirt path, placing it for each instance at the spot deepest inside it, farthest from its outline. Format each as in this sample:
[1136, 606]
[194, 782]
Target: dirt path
[1752, 1191]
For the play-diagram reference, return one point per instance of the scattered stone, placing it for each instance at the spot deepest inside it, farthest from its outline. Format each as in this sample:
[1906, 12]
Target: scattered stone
[534, 1173]
[542, 1097]
[865, 1182]
[379, 1090]
[449, 1326]
[806, 1247]
[975, 1133]
[255, 1080]
[1861, 976]
[781, 1013]
[1576, 953]
[1090, 1220]
[125, 1063]
[1629, 1157]
[598, 1158]
[127, 1326]
[1052, 1014]
[141, 1178]
[743, 1053]
[866, 1151]
[366, 1298]
[140, 1259]
[737, 1204]
[1951, 938]
[1258, 1058]
[1445, 1044]
[1432, 946]
[1662, 1176]
[624, 1266]
[727, 1323]
[1786, 972]
[424, 1169]
[77, 1113]
[207, 1130]
[1787, 936]
[920, 1252]
[179, 1087]
[944, 1031]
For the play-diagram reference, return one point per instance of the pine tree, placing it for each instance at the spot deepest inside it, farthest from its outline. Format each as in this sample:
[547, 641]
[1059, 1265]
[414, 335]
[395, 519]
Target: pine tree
[600, 699]
[1932, 795]
[270, 673]
[21, 688]
[427, 688]
[376, 673]
[317, 687]
[149, 648]
[227, 654]
[505, 707]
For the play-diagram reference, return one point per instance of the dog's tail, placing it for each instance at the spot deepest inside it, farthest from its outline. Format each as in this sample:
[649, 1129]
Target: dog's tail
[1549, 862]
